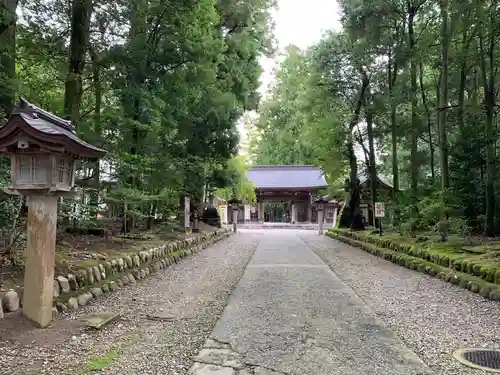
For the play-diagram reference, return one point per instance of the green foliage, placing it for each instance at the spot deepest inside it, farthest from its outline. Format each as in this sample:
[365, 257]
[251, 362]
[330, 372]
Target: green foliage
[298, 121]
[164, 84]
[431, 106]
[9, 205]
[236, 173]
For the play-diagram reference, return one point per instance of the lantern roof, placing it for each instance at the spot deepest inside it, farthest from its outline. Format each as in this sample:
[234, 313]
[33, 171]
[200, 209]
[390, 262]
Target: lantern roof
[29, 122]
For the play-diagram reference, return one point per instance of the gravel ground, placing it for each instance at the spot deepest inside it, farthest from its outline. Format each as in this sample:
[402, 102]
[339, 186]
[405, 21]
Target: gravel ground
[194, 292]
[432, 317]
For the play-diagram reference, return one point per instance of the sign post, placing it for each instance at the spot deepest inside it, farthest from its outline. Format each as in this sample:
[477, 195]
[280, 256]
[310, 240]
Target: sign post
[187, 214]
[223, 210]
[380, 213]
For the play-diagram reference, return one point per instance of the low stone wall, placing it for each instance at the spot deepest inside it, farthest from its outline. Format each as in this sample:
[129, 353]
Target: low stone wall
[76, 289]
[475, 284]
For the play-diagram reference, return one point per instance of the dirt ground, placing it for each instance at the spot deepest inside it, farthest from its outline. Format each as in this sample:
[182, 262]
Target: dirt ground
[74, 252]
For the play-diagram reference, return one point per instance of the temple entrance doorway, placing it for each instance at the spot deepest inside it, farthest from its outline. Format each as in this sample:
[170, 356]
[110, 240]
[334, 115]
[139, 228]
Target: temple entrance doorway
[277, 212]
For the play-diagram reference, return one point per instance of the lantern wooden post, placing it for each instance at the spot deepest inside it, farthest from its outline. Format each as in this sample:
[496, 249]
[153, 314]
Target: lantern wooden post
[43, 149]
[320, 206]
[235, 205]
[40, 259]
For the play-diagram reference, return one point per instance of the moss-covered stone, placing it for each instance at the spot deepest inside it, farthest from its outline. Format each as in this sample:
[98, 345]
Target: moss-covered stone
[465, 280]
[490, 274]
[485, 290]
[476, 269]
[443, 254]
[494, 294]
[473, 286]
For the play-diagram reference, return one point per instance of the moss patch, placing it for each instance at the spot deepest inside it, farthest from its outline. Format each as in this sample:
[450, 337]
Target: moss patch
[103, 361]
[441, 263]
[99, 363]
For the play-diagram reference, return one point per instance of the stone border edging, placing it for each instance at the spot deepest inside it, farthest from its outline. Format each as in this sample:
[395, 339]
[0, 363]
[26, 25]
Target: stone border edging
[472, 283]
[76, 290]
[457, 262]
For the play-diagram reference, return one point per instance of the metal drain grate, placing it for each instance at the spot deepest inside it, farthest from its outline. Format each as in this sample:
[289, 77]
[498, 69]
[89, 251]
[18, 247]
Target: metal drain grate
[479, 358]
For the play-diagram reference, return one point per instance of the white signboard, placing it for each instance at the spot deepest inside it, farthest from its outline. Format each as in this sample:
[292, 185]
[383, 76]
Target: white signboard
[223, 209]
[187, 213]
[379, 209]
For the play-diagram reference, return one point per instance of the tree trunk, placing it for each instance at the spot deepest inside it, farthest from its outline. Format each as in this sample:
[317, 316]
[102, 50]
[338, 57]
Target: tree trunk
[415, 131]
[151, 215]
[355, 217]
[392, 72]
[429, 122]
[372, 167]
[7, 57]
[443, 99]
[96, 173]
[488, 81]
[81, 13]
[462, 86]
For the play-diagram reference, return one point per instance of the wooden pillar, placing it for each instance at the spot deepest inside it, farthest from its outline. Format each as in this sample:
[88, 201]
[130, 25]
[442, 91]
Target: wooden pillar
[235, 221]
[294, 214]
[40, 259]
[309, 209]
[187, 214]
[247, 213]
[260, 211]
[321, 216]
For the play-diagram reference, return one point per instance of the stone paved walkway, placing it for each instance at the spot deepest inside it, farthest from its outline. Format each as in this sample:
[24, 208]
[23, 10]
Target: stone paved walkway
[290, 314]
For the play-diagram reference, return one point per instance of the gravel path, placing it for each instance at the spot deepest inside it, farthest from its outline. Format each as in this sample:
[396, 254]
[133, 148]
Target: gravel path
[193, 292]
[432, 317]
[290, 314]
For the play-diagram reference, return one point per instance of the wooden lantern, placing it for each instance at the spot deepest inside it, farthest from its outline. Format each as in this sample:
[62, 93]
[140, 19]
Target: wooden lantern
[43, 149]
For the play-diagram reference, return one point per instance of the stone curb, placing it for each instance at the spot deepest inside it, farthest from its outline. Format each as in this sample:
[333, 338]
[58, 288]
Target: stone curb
[76, 290]
[489, 272]
[472, 283]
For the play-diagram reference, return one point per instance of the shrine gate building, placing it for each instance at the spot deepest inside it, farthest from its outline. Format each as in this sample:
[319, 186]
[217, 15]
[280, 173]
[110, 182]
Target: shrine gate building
[285, 194]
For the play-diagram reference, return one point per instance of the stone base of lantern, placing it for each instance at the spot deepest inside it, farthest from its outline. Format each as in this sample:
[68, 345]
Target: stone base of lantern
[40, 259]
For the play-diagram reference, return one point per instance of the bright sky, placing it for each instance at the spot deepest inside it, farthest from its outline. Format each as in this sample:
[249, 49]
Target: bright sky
[301, 23]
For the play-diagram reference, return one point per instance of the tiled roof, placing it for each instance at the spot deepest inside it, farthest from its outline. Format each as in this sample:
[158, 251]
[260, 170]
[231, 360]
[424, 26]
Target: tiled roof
[37, 112]
[286, 176]
[50, 124]
[49, 128]
[364, 177]
[46, 128]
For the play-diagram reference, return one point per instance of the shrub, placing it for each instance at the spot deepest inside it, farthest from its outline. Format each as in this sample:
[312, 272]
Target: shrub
[460, 226]
[443, 228]
[410, 227]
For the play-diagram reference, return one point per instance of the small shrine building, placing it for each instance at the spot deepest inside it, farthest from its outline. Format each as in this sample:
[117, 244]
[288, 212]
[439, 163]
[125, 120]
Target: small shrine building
[285, 194]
